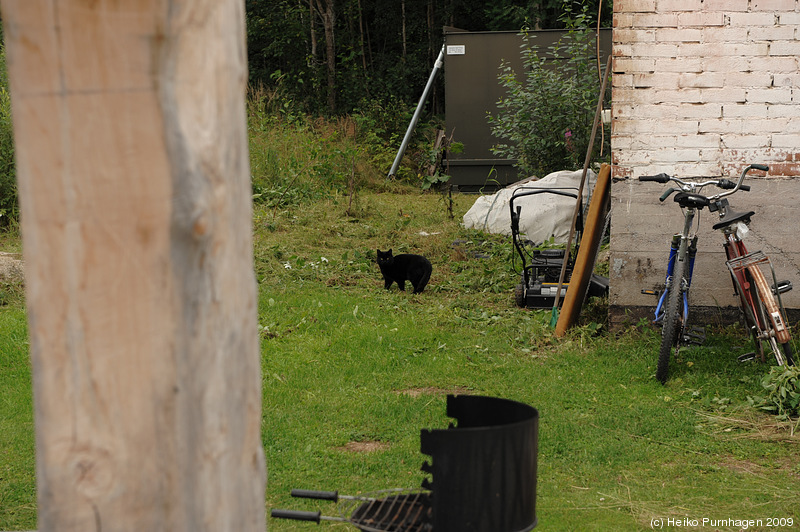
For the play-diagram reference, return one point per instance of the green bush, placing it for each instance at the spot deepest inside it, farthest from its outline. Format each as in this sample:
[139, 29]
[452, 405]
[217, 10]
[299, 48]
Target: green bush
[545, 121]
[9, 205]
[782, 392]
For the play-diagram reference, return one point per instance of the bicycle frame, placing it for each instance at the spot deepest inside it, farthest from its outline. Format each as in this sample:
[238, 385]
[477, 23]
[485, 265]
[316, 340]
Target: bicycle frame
[683, 246]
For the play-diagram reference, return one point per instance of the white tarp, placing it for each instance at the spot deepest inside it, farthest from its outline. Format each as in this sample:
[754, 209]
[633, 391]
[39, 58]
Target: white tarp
[543, 215]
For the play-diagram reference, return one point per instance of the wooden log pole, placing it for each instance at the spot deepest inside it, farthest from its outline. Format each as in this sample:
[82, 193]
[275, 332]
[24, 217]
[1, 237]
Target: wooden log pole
[131, 144]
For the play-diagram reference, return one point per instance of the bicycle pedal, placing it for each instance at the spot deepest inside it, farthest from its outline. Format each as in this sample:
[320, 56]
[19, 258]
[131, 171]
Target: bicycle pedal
[695, 336]
[651, 292]
[782, 287]
[747, 357]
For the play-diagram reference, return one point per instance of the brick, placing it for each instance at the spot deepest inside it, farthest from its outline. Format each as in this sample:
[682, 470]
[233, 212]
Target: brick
[717, 49]
[782, 110]
[700, 19]
[778, 125]
[634, 35]
[771, 33]
[654, 50]
[770, 95]
[734, 141]
[659, 20]
[726, 64]
[630, 95]
[621, 20]
[699, 110]
[628, 64]
[790, 48]
[622, 50]
[785, 169]
[644, 112]
[725, 5]
[721, 126]
[775, 64]
[633, 127]
[656, 79]
[678, 35]
[742, 110]
[685, 155]
[702, 80]
[724, 35]
[748, 79]
[620, 143]
[705, 140]
[678, 127]
[634, 6]
[622, 80]
[786, 141]
[676, 64]
[773, 5]
[723, 95]
[751, 19]
[791, 18]
[675, 96]
[786, 80]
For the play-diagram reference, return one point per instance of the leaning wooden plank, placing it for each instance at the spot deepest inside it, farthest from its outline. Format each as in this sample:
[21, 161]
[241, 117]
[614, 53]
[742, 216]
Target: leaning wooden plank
[131, 140]
[587, 253]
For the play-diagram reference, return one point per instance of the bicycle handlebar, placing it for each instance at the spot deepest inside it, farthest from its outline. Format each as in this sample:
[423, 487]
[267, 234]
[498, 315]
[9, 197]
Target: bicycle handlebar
[659, 178]
[723, 183]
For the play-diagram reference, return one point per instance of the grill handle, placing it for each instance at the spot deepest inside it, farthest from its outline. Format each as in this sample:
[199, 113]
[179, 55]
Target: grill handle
[313, 494]
[296, 515]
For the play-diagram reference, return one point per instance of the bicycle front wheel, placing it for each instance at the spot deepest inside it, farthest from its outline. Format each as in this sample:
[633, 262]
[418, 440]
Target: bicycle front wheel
[774, 332]
[672, 324]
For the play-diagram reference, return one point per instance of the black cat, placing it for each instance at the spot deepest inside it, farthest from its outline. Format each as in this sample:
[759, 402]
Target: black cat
[405, 267]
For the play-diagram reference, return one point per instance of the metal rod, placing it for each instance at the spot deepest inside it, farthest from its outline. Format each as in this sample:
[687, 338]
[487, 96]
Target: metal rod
[587, 160]
[415, 118]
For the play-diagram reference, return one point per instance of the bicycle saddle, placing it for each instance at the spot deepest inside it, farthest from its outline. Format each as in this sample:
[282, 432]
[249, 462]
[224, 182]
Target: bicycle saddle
[732, 217]
[697, 201]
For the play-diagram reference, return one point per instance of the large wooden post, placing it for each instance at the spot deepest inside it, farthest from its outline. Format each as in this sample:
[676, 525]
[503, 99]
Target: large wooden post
[131, 141]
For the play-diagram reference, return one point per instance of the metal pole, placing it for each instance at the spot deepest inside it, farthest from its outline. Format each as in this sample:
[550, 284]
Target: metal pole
[413, 124]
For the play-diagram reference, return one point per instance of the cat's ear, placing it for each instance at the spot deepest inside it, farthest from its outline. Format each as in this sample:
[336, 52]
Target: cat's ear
[390, 251]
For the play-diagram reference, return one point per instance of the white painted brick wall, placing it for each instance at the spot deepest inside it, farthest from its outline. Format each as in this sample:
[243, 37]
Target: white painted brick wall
[703, 88]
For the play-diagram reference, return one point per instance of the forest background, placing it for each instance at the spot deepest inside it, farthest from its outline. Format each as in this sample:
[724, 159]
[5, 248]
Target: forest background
[342, 56]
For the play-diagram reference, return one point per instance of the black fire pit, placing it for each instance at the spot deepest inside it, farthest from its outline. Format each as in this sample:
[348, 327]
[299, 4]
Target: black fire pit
[484, 468]
[483, 477]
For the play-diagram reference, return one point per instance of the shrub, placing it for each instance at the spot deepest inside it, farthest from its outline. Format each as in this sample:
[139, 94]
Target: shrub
[9, 204]
[545, 121]
[782, 387]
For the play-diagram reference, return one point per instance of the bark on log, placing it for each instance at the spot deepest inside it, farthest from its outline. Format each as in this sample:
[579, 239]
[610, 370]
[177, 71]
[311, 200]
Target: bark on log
[131, 141]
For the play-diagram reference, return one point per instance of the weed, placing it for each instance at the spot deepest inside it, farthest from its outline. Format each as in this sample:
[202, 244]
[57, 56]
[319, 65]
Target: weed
[782, 397]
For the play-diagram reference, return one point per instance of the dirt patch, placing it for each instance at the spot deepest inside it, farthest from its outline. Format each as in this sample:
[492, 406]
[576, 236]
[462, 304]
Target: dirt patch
[364, 446]
[741, 466]
[417, 392]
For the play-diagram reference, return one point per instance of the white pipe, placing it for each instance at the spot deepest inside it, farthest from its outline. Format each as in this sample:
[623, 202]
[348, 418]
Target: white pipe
[415, 118]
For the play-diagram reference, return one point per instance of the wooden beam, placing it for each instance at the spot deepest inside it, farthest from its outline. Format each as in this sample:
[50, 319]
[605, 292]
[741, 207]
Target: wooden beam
[131, 143]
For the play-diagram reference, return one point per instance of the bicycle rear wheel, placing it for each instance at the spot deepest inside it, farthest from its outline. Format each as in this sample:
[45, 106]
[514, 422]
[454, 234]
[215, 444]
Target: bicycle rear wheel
[774, 332]
[672, 324]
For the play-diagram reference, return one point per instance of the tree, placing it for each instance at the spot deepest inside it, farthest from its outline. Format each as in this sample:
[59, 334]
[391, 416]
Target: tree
[131, 139]
[324, 9]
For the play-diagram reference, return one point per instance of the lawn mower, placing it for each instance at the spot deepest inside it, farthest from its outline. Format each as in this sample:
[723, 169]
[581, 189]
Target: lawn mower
[541, 267]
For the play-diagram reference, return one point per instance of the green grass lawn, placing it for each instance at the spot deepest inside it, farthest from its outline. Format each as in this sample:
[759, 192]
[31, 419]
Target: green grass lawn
[351, 373]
